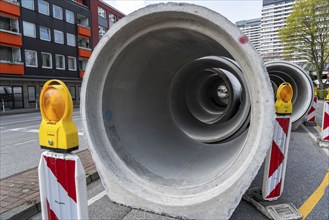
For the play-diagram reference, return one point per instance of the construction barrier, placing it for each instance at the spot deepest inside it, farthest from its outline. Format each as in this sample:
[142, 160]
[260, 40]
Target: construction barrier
[62, 181]
[63, 191]
[276, 159]
[310, 119]
[325, 122]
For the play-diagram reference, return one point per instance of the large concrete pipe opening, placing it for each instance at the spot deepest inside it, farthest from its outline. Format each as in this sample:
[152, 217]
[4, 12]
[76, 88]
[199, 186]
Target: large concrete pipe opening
[173, 126]
[282, 71]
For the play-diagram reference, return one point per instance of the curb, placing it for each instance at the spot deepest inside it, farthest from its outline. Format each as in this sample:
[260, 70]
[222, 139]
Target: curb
[26, 211]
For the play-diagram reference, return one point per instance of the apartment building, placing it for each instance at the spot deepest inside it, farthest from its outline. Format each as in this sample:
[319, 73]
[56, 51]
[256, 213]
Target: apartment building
[103, 17]
[274, 14]
[42, 40]
[251, 28]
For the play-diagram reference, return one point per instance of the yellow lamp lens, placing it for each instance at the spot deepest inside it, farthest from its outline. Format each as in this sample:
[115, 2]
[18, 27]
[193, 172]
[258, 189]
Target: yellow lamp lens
[286, 94]
[53, 104]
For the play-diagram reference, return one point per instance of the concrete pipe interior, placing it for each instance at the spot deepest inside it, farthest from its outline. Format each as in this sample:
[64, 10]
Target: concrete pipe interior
[168, 119]
[166, 109]
[281, 71]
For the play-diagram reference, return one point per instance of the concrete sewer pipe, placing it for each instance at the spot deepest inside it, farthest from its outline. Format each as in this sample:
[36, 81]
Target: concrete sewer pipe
[174, 125]
[301, 82]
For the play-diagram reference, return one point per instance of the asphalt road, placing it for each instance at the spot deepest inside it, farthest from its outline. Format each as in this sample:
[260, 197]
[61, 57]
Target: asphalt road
[307, 165]
[19, 142]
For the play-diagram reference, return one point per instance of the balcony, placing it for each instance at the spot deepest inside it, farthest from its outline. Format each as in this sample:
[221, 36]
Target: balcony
[10, 9]
[11, 68]
[82, 2]
[11, 39]
[84, 52]
[82, 21]
[84, 31]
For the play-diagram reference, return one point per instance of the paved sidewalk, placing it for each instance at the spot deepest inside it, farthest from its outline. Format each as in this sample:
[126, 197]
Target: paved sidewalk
[19, 194]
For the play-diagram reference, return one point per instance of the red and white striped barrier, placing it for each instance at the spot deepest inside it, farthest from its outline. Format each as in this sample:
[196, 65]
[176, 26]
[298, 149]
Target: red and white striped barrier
[276, 159]
[310, 120]
[62, 181]
[325, 122]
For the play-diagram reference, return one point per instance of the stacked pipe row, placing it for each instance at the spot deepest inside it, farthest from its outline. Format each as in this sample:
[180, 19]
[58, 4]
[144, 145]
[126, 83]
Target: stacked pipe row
[178, 110]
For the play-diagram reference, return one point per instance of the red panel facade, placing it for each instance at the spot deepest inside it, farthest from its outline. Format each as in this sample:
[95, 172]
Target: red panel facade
[94, 13]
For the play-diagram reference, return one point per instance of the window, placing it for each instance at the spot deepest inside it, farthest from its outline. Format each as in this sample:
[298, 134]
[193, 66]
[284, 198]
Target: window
[101, 12]
[18, 97]
[45, 33]
[46, 60]
[82, 20]
[5, 53]
[29, 4]
[69, 15]
[60, 62]
[101, 31]
[31, 93]
[28, 29]
[82, 64]
[72, 91]
[31, 58]
[72, 63]
[57, 12]
[70, 39]
[112, 19]
[59, 37]
[43, 7]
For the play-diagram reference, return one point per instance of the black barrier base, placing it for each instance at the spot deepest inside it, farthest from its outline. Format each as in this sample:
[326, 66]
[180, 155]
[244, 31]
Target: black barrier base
[278, 209]
[309, 123]
[59, 150]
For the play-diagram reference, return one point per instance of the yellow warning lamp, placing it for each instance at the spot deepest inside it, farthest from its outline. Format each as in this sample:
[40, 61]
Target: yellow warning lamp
[57, 130]
[283, 104]
[327, 98]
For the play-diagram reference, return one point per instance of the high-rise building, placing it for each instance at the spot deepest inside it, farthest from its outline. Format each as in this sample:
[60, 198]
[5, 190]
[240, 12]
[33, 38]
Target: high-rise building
[42, 40]
[274, 14]
[251, 28]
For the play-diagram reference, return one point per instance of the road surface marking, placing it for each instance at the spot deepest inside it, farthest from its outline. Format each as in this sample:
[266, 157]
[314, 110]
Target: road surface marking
[96, 198]
[311, 202]
[19, 143]
[31, 130]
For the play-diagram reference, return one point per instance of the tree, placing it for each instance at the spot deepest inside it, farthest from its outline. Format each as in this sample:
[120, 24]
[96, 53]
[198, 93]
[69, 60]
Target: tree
[306, 34]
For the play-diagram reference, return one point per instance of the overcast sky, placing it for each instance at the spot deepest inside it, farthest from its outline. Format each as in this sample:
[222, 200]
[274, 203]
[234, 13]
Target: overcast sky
[234, 10]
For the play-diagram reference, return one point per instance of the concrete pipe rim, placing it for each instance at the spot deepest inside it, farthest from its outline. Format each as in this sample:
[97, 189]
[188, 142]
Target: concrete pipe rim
[302, 87]
[262, 106]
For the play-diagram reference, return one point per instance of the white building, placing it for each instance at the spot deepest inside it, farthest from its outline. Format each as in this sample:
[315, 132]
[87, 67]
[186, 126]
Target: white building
[274, 14]
[251, 28]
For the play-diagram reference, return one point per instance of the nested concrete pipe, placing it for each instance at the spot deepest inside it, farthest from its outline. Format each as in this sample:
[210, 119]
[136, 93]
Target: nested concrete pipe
[173, 127]
[283, 71]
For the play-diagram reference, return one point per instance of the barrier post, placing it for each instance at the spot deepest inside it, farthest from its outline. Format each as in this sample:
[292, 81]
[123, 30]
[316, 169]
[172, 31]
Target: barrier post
[324, 142]
[266, 200]
[276, 159]
[63, 190]
[311, 116]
